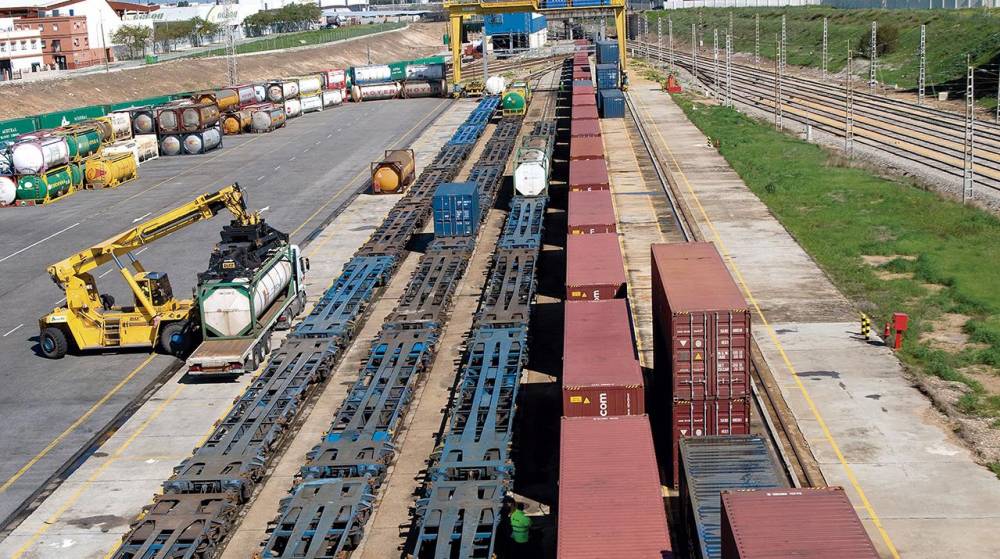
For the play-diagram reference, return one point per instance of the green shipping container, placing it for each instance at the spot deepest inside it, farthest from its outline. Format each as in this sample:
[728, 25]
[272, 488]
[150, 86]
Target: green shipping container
[138, 103]
[398, 70]
[10, 129]
[82, 143]
[51, 184]
[72, 116]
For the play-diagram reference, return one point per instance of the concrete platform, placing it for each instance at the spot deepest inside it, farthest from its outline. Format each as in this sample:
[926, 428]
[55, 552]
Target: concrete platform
[87, 515]
[917, 489]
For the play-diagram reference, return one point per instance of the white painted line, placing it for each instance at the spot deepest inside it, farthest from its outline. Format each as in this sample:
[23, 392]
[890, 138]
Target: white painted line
[318, 142]
[306, 150]
[292, 158]
[105, 273]
[328, 136]
[36, 243]
[61, 301]
[14, 329]
[278, 167]
[260, 178]
[142, 217]
[141, 250]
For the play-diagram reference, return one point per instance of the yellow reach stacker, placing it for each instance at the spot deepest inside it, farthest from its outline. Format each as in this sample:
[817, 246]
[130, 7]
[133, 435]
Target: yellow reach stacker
[91, 320]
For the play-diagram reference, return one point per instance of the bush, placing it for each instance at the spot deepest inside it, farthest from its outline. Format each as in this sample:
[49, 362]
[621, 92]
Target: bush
[887, 41]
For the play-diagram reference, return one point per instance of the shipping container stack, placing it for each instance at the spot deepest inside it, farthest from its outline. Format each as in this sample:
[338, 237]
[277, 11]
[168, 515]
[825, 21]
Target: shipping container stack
[610, 503]
[701, 348]
[188, 127]
[610, 99]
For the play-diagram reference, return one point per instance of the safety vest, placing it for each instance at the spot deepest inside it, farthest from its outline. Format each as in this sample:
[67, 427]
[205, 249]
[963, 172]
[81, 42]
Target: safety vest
[520, 523]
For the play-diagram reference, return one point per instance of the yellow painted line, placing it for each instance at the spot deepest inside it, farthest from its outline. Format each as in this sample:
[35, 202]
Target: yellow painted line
[781, 350]
[51, 521]
[360, 173]
[75, 425]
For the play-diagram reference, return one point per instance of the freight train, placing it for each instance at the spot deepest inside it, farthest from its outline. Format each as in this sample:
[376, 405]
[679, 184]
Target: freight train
[471, 472]
[202, 499]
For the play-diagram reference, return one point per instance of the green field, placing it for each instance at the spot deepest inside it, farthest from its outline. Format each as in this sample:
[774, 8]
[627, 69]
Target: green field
[951, 34]
[943, 257]
[303, 38]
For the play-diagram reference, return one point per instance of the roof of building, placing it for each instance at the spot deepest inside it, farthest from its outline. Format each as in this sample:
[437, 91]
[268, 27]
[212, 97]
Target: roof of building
[131, 6]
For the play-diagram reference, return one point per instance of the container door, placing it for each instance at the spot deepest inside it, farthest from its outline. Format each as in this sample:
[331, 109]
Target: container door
[731, 374]
[690, 356]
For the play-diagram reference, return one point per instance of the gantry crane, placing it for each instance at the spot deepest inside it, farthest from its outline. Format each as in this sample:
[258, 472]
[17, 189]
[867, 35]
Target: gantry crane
[91, 320]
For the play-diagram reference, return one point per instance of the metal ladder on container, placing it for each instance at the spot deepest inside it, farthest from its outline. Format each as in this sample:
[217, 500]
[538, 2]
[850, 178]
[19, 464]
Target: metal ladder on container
[112, 332]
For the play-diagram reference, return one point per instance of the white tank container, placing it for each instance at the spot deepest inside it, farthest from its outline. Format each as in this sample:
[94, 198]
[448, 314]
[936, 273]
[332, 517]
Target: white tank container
[495, 85]
[293, 108]
[260, 92]
[143, 123]
[228, 311]
[35, 156]
[170, 145]
[201, 142]
[375, 92]
[247, 95]
[311, 103]
[267, 119]
[332, 97]
[372, 74]
[121, 123]
[310, 84]
[279, 91]
[8, 191]
[416, 89]
[142, 147]
[531, 177]
[427, 72]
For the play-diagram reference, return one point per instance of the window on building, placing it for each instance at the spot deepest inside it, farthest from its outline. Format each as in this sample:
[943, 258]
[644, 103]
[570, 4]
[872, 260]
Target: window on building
[76, 42]
[55, 27]
[71, 12]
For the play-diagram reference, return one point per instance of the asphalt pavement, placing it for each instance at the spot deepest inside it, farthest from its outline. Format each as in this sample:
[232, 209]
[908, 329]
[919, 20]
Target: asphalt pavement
[50, 410]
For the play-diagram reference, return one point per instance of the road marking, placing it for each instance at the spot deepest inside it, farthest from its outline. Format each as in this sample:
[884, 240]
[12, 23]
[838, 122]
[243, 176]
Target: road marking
[781, 349]
[51, 521]
[14, 329]
[141, 250]
[278, 167]
[328, 136]
[61, 301]
[142, 217]
[260, 178]
[292, 158]
[76, 424]
[306, 150]
[36, 243]
[105, 273]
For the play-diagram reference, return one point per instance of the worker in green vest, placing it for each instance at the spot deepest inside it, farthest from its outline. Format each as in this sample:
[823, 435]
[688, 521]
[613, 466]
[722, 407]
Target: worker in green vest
[520, 526]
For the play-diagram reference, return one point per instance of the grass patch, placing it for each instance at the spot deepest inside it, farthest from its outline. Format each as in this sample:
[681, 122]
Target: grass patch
[995, 468]
[303, 38]
[951, 34]
[839, 213]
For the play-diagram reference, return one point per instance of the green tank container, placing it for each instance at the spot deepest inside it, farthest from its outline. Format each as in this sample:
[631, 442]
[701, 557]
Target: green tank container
[49, 185]
[83, 142]
[398, 70]
[514, 103]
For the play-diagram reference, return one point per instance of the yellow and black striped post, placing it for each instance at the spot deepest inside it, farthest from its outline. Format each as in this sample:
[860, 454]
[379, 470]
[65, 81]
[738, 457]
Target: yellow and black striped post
[866, 326]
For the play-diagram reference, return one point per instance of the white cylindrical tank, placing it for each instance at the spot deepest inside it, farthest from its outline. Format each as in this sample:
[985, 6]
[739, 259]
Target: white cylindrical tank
[143, 123]
[310, 84]
[227, 310]
[495, 85]
[531, 176]
[247, 95]
[428, 72]
[121, 123]
[332, 97]
[267, 119]
[375, 92]
[293, 108]
[8, 191]
[311, 103]
[279, 91]
[200, 142]
[146, 147]
[35, 156]
[260, 92]
[170, 145]
[372, 74]
[435, 88]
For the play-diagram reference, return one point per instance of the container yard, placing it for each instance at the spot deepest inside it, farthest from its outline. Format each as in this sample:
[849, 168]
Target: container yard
[534, 313]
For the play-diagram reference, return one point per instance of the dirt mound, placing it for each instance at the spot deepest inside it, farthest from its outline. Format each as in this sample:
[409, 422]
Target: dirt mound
[18, 100]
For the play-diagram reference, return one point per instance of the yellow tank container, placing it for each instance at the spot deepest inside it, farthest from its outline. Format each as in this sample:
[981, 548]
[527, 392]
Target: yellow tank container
[237, 122]
[394, 172]
[226, 99]
[109, 171]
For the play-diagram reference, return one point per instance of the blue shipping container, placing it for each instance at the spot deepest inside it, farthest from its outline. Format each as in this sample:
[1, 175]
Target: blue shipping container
[555, 3]
[521, 22]
[607, 76]
[711, 465]
[611, 103]
[607, 52]
[456, 209]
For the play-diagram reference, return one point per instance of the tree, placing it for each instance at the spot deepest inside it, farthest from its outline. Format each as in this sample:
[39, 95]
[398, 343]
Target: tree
[133, 38]
[166, 34]
[201, 28]
[292, 17]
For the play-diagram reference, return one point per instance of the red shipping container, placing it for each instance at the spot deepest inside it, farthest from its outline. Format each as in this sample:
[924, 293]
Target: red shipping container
[586, 147]
[590, 212]
[584, 127]
[609, 491]
[588, 174]
[585, 112]
[577, 75]
[806, 523]
[584, 99]
[701, 325]
[698, 418]
[601, 374]
[584, 90]
[595, 270]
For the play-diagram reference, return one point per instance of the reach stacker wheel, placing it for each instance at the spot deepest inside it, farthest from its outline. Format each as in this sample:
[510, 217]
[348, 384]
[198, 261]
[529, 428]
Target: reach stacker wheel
[53, 343]
[173, 339]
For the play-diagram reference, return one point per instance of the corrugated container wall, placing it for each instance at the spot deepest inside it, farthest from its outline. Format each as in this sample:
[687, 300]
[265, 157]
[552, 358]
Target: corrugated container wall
[594, 268]
[607, 51]
[808, 523]
[586, 147]
[601, 374]
[588, 174]
[612, 103]
[519, 22]
[609, 491]
[714, 464]
[701, 325]
[590, 212]
[456, 209]
[607, 76]
[700, 418]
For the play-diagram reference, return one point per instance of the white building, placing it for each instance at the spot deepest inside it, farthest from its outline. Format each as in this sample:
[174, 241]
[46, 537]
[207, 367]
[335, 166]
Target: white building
[20, 49]
[82, 29]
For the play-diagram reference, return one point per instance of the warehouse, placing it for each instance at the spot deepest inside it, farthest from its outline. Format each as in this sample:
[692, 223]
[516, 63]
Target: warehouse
[513, 33]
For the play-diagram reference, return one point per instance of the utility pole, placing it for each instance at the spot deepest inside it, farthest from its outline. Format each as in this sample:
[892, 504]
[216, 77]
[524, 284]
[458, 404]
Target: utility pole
[486, 60]
[777, 84]
[849, 113]
[231, 69]
[730, 23]
[729, 71]
[670, 39]
[968, 177]
[756, 41]
[715, 57]
[784, 45]
[825, 29]
[922, 80]
[872, 78]
[694, 50]
[659, 37]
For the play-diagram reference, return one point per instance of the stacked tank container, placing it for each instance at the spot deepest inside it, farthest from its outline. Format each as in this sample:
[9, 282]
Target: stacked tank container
[194, 126]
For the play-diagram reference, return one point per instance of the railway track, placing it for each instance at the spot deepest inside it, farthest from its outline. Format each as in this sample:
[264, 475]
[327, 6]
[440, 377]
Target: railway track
[930, 137]
[779, 423]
